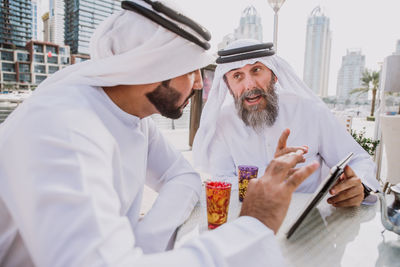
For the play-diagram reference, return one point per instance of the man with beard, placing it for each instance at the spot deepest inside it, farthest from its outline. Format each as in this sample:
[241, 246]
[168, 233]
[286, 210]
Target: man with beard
[269, 102]
[76, 155]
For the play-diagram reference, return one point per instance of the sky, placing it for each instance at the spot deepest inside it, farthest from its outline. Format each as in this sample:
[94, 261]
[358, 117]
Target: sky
[370, 25]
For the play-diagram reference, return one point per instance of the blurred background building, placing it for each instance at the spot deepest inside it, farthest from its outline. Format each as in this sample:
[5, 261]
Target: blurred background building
[317, 52]
[15, 23]
[350, 73]
[81, 19]
[250, 27]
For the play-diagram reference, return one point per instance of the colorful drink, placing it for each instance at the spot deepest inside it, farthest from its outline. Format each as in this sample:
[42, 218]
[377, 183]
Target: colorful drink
[246, 173]
[217, 196]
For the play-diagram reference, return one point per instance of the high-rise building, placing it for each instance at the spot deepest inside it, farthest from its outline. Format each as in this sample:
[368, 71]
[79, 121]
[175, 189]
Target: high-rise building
[15, 22]
[398, 47]
[35, 21]
[46, 27]
[81, 19]
[318, 51]
[350, 73]
[56, 22]
[250, 27]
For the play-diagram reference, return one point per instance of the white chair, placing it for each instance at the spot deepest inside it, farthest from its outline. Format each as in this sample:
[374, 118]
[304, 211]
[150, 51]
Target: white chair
[390, 127]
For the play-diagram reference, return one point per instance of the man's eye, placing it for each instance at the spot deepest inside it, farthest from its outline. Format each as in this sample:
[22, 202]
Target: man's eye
[257, 69]
[236, 76]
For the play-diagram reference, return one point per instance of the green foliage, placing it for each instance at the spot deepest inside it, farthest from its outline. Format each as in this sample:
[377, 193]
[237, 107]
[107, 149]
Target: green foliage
[368, 144]
[370, 118]
[369, 81]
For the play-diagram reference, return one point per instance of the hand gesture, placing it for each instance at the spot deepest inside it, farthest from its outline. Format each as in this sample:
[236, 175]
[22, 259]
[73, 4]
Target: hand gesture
[267, 198]
[282, 149]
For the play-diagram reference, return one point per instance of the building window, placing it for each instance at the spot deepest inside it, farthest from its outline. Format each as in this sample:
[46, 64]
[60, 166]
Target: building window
[53, 69]
[23, 67]
[25, 77]
[8, 67]
[52, 59]
[51, 49]
[39, 58]
[64, 51]
[65, 60]
[5, 55]
[39, 68]
[40, 78]
[38, 48]
[23, 57]
[8, 77]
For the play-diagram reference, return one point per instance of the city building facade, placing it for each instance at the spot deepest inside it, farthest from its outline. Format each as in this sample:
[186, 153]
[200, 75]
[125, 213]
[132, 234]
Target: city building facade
[56, 22]
[15, 72]
[35, 22]
[46, 27]
[26, 68]
[250, 27]
[397, 51]
[317, 52]
[81, 19]
[15, 23]
[350, 74]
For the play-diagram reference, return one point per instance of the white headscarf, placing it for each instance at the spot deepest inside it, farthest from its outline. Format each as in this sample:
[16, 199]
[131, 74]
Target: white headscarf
[128, 48]
[288, 83]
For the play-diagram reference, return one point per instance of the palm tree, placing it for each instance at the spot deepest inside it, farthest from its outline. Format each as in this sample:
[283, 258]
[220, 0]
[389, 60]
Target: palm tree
[369, 81]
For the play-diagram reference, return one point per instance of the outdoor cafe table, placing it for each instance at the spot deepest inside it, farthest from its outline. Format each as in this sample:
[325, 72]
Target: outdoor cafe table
[328, 237]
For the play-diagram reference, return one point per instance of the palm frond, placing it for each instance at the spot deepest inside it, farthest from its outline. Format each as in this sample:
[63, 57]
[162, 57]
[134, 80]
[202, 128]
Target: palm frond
[360, 91]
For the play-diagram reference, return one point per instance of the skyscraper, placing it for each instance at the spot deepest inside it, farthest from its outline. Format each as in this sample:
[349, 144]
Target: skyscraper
[46, 27]
[398, 47]
[318, 51]
[56, 21]
[250, 27]
[15, 22]
[81, 19]
[35, 25]
[350, 73]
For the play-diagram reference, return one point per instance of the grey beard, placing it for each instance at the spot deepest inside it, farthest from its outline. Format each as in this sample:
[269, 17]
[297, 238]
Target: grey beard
[255, 117]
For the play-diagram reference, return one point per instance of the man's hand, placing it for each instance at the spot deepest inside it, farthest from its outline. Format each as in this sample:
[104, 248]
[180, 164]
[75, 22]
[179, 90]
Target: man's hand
[267, 198]
[348, 191]
[282, 149]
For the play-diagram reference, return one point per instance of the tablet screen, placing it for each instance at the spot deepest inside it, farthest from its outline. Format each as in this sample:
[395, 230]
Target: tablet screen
[320, 193]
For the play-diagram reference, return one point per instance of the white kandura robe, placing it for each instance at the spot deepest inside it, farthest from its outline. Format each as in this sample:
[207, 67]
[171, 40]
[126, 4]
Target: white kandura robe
[310, 123]
[72, 170]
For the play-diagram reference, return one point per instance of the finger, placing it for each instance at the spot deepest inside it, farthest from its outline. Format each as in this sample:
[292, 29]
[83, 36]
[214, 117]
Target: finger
[348, 172]
[293, 149]
[346, 194]
[352, 202]
[300, 175]
[279, 167]
[292, 170]
[282, 140]
[346, 184]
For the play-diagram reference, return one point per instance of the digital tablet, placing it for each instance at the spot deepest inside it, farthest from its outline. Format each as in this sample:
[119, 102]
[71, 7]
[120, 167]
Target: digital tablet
[320, 193]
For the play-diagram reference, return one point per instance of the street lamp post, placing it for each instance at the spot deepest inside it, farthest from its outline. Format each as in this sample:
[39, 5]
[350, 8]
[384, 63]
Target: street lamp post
[276, 5]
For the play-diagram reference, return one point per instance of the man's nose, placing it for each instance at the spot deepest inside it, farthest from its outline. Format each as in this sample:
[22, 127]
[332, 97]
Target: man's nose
[249, 83]
[198, 80]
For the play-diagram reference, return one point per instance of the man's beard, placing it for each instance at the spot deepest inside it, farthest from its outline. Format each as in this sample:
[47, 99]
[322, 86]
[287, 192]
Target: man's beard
[165, 98]
[257, 116]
